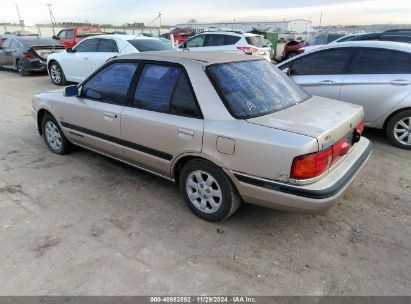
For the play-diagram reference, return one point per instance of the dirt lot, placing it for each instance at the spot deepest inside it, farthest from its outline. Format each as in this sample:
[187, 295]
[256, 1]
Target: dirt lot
[83, 224]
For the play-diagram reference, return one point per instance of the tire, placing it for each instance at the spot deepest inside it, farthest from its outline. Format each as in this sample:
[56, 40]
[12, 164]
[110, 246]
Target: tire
[53, 136]
[399, 130]
[56, 74]
[199, 180]
[21, 69]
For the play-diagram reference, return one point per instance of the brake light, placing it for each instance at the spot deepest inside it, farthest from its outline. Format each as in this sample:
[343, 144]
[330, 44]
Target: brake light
[312, 165]
[339, 150]
[360, 127]
[29, 55]
[247, 49]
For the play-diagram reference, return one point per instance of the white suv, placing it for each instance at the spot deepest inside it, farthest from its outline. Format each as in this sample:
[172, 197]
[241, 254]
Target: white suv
[230, 42]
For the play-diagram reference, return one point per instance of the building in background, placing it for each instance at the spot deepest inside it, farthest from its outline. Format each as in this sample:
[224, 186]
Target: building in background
[297, 25]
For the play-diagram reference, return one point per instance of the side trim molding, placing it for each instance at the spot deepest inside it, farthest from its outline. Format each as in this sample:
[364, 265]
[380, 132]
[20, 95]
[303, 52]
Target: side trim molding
[119, 141]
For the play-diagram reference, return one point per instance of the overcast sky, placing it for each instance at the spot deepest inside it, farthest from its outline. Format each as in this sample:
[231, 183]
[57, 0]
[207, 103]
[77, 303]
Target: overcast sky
[128, 11]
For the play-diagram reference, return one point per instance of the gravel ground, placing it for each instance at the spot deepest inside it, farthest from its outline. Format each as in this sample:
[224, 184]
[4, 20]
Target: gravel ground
[83, 224]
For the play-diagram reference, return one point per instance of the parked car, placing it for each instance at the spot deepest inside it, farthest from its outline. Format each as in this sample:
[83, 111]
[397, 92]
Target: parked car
[391, 35]
[77, 63]
[226, 128]
[229, 42]
[27, 54]
[294, 48]
[374, 74]
[73, 35]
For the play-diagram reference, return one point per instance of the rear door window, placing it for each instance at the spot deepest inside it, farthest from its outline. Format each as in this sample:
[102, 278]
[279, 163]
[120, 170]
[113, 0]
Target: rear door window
[107, 45]
[88, 45]
[155, 87]
[110, 84]
[329, 62]
[379, 61]
[215, 40]
[166, 89]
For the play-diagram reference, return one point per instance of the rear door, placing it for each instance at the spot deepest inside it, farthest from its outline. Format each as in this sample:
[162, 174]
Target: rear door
[107, 48]
[378, 80]
[322, 73]
[78, 65]
[93, 119]
[162, 120]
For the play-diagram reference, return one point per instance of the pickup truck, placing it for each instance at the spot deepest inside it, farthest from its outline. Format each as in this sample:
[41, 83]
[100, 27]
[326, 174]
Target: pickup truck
[69, 37]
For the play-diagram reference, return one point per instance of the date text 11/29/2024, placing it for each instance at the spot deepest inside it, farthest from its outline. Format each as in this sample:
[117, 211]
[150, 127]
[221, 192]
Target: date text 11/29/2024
[203, 299]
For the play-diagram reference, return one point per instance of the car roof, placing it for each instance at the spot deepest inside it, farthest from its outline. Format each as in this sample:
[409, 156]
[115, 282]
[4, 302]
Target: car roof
[199, 58]
[400, 46]
[120, 36]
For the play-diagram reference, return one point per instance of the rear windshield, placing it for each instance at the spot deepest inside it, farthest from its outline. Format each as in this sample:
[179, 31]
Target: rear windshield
[254, 88]
[256, 41]
[39, 41]
[146, 45]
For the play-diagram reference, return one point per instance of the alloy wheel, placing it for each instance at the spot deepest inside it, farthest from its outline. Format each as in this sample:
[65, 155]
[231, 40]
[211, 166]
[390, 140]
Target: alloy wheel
[20, 68]
[53, 136]
[402, 131]
[55, 73]
[204, 191]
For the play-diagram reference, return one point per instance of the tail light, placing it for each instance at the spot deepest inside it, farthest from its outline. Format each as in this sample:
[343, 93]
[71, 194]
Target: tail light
[247, 49]
[313, 165]
[358, 131]
[300, 51]
[29, 55]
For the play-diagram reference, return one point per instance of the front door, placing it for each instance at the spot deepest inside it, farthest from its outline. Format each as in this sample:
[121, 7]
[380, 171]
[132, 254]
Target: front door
[94, 119]
[163, 119]
[78, 66]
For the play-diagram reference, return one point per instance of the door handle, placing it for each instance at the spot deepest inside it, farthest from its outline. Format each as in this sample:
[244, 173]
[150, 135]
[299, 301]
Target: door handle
[186, 134]
[400, 82]
[326, 82]
[110, 115]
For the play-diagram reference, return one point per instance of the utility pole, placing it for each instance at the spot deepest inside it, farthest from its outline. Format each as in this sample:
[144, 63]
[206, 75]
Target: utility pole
[52, 19]
[18, 14]
[321, 18]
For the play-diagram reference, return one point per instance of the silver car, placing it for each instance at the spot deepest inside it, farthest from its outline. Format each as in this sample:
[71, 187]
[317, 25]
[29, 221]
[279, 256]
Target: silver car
[374, 74]
[224, 127]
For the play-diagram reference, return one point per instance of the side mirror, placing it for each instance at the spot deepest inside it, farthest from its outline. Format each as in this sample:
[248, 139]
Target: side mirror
[70, 50]
[55, 37]
[71, 91]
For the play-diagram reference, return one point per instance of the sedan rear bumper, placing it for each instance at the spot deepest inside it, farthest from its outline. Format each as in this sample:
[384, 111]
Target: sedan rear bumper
[318, 196]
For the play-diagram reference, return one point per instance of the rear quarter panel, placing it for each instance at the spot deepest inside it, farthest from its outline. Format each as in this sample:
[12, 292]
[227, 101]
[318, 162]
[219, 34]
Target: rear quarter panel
[259, 151]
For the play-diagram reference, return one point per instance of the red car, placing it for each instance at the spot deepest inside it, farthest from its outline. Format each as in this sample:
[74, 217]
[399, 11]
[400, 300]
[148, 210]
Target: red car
[71, 36]
[180, 35]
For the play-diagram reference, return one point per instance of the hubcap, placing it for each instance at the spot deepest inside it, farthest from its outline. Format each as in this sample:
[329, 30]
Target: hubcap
[203, 191]
[53, 136]
[20, 67]
[402, 131]
[55, 73]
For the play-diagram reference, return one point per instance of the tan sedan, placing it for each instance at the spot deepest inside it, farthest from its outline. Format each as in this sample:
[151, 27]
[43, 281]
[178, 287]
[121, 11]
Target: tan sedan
[225, 127]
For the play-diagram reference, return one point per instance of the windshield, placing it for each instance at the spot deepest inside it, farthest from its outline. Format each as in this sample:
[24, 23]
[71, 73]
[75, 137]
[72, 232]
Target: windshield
[254, 88]
[146, 45]
[256, 41]
[318, 40]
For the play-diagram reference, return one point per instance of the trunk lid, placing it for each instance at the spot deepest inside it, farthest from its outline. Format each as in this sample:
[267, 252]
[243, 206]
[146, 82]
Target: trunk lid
[325, 119]
[44, 50]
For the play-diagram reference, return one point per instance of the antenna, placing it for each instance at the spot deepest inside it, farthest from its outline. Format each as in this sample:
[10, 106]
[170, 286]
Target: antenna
[158, 17]
[52, 19]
